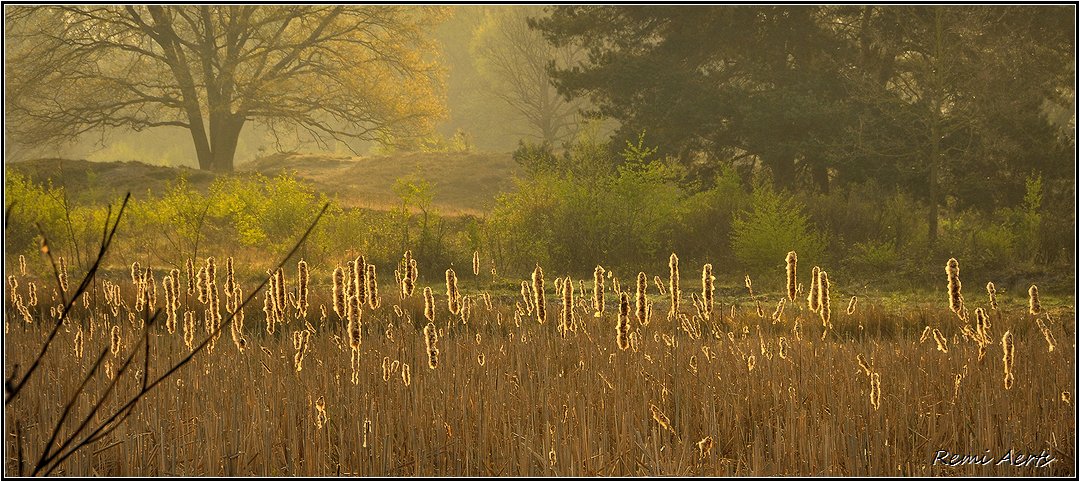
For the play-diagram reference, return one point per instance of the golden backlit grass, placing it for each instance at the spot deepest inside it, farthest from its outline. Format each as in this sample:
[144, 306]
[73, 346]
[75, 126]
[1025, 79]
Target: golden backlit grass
[508, 400]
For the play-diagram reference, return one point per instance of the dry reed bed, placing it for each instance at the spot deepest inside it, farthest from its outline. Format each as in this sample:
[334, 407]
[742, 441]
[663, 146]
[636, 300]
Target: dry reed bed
[545, 402]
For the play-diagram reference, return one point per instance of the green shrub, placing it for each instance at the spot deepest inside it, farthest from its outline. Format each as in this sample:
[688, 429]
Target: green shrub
[774, 224]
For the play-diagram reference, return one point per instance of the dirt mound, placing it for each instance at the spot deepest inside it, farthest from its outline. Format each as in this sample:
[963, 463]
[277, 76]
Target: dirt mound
[462, 183]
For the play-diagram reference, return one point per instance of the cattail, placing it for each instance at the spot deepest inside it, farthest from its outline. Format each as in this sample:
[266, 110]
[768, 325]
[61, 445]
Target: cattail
[359, 273]
[707, 291]
[1033, 300]
[566, 316]
[1047, 334]
[431, 339]
[952, 269]
[992, 291]
[453, 298]
[268, 311]
[372, 287]
[189, 329]
[782, 344]
[526, 296]
[114, 340]
[982, 326]
[63, 274]
[942, 342]
[779, 311]
[190, 267]
[236, 328]
[279, 292]
[659, 285]
[339, 292]
[429, 304]
[862, 364]
[792, 259]
[751, 361]
[661, 419]
[704, 446]
[476, 263]
[32, 293]
[412, 275]
[170, 312]
[598, 291]
[211, 271]
[302, 279]
[406, 374]
[301, 339]
[320, 413]
[538, 294]
[150, 285]
[353, 327]
[1008, 358]
[230, 280]
[22, 265]
[202, 284]
[813, 300]
[823, 298]
[851, 305]
[79, 342]
[136, 273]
[673, 284]
[480, 359]
[622, 329]
[875, 391]
[642, 299]
[925, 334]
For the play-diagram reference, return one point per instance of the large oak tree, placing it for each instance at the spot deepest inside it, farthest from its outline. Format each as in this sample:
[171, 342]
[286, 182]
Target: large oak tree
[328, 73]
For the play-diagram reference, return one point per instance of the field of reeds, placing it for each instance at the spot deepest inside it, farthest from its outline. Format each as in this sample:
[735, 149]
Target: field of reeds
[213, 369]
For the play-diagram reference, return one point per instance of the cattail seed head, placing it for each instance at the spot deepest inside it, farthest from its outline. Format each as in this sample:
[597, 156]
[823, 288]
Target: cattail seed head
[190, 266]
[942, 342]
[622, 329]
[114, 340]
[1033, 300]
[875, 391]
[641, 300]
[813, 300]
[538, 294]
[431, 339]
[566, 315]
[952, 269]
[79, 342]
[453, 298]
[863, 365]
[704, 446]
[992, 292]
[372, 287]
[823, 298]
[791, 260]
[1008, 358]
[339, 292]
[1047, 334]
[851, 305]
[302, 279]
[707, 290]
[673, 284]
[429, 304]
[476, 263]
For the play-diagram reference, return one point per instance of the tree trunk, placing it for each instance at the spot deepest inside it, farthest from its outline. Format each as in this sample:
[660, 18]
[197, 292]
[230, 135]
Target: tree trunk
[218, 152]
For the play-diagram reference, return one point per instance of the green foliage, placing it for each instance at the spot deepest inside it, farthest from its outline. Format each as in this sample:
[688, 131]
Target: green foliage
[774, 225]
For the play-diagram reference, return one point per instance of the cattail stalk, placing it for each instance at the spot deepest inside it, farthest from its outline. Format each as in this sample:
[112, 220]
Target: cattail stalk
[641, 300]
[1008, 358]
[812, 299]
[598, 291]
[431, 340]
[372, 287]
[622, 329]
[453, 298]
[429, 304]
[538, 294]
[792, 259]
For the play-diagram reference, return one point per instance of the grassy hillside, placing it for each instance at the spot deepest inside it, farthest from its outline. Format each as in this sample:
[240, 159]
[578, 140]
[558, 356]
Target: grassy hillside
[462, 183]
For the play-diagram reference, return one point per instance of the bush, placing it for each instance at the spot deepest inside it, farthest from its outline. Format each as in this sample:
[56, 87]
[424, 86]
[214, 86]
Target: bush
[774, 225]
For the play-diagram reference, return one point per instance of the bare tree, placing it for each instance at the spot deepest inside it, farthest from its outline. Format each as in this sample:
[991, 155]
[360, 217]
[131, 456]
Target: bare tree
[514, 60]
[331, 72]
